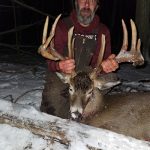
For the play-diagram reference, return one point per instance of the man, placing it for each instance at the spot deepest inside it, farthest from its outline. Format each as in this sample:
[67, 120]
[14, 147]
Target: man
[87, 33]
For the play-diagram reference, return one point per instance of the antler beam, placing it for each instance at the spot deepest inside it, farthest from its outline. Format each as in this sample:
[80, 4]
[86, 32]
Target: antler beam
[98, 67]
[134, 55]
[44, 50]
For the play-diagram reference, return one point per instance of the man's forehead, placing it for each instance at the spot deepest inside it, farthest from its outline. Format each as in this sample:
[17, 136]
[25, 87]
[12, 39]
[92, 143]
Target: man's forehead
[89, 0]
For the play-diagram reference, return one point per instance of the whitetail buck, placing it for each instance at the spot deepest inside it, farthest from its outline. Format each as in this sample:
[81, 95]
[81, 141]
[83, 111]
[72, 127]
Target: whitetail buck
[124, 113]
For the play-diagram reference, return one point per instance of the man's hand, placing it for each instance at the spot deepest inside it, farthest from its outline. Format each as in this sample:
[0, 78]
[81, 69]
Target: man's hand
[109, 64]
[67, 66]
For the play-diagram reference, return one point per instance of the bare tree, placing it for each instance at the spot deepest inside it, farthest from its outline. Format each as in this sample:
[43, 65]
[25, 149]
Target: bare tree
[143, 23]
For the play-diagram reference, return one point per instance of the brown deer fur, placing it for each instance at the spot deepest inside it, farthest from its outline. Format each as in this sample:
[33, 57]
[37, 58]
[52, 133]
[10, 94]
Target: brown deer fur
[125, 113]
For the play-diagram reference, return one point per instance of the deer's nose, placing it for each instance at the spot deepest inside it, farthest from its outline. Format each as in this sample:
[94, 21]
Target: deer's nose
[76, 116]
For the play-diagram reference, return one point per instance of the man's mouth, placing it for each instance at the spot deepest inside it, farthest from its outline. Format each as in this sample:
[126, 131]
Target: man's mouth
[85, 12]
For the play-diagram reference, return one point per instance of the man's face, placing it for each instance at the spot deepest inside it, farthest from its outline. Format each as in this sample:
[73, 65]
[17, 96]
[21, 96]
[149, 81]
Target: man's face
[85, 10]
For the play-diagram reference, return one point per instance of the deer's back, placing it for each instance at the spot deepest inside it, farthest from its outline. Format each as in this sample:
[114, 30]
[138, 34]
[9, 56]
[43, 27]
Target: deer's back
[125, 113]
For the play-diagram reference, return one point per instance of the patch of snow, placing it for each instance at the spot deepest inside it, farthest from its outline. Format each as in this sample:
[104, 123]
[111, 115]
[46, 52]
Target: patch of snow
[24, 85]
[12, 138]
[80, 136]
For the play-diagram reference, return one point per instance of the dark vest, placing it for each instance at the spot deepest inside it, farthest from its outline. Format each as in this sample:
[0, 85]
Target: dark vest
[84, 46]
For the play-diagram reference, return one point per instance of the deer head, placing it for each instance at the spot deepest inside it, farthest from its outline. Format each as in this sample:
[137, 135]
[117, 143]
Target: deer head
[83, 85]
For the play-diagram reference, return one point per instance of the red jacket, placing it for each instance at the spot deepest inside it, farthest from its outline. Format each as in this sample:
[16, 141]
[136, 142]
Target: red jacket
[60, 40]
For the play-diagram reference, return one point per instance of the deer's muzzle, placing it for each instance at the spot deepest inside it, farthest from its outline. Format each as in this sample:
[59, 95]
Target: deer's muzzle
[76, 116]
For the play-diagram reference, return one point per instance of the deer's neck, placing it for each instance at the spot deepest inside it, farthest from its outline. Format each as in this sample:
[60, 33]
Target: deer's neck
[95, 105]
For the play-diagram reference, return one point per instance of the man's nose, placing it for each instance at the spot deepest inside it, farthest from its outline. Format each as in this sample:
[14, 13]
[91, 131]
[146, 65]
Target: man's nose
[87, 3]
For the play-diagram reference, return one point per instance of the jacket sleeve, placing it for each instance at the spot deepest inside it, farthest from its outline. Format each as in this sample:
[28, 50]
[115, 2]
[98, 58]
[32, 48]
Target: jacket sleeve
[60, 40]
[103, 30]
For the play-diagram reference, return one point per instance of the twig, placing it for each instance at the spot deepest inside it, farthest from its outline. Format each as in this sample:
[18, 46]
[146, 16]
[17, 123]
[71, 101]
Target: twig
[19, 28]
[33, 9]
[10, 96]
[21, 50]
[13, 47]
[35, 59]
[15, 26]
[6, 6]
[14, 71]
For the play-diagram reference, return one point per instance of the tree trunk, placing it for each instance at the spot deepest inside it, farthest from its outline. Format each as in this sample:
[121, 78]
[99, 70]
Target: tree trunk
[36, 127]
[143, 24]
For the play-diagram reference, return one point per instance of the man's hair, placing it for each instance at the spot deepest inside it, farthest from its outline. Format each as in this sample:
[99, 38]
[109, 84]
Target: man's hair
[73, 3]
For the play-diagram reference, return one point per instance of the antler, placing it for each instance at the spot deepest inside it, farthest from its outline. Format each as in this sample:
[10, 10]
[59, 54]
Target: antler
[50, 53]
[44, 50]
[70, 43]
[134, 55]
[98, 67]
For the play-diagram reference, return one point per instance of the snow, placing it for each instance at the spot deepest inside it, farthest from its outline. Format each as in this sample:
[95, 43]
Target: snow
[12, 138]
[23, 84]
[79, 135]
[20, 80]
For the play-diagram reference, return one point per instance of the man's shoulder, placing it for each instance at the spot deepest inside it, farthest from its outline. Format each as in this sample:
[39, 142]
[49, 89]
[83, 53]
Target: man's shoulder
[103, 27]
[65, 22]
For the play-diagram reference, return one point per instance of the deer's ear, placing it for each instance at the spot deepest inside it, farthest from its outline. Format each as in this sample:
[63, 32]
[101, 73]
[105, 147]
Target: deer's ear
[65, 78]
[101, 85]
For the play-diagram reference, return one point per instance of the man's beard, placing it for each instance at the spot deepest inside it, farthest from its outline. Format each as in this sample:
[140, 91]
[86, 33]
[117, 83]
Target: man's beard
[85, 19]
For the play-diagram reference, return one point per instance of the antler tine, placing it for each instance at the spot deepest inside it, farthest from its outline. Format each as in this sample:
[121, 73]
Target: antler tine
[134, 55]
[70, 43]
[73, 47]
[55, 53]
[45, 30]
[120, 57]
[98, 68]
[134, 36]
[125, 36]
[139, 45]
[101, 53]
[138, 59]
[52, 32]
[44, 50]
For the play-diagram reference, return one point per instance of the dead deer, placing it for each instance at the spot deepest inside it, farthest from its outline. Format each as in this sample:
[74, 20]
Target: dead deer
[84, 92]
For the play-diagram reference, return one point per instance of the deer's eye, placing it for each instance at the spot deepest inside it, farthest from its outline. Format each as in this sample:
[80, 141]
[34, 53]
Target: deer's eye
[71, 90]
[89, 93]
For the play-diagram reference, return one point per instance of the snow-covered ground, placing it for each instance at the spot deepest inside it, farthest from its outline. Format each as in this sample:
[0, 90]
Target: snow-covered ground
[23, 84]
[81, 137]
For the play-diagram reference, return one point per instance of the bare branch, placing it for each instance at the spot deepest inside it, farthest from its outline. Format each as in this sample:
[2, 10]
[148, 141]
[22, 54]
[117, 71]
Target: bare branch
[33, 9]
